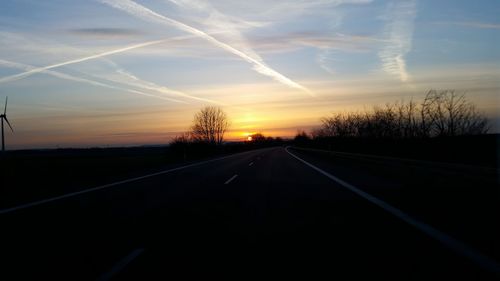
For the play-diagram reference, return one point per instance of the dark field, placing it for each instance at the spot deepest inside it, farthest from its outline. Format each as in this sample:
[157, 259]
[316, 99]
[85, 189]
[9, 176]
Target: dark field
[34, 175]
[265, 213]
[29, 175]
[479, 150]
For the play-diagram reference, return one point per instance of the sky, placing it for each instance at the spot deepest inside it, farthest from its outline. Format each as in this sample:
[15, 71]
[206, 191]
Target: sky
[122, 72]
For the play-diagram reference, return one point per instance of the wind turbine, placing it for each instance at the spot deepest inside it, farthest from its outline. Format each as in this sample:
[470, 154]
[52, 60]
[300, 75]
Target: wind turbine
[4, 117]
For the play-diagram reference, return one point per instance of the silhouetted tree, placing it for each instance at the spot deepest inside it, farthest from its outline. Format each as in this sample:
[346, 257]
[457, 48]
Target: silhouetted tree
[278, 141]
[443, 113]
[258, 138]
[447, 113]
[302, 138]
[180, 145]
[210, 125]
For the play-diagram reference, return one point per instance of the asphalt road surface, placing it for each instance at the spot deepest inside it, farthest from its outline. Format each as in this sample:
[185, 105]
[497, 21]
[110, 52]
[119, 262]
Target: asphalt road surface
[268, 213]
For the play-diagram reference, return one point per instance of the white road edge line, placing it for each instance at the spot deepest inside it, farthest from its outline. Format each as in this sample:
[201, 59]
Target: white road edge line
[231, 179]
[65, 196]
[448, 241]
[120, 265]
[251, 163]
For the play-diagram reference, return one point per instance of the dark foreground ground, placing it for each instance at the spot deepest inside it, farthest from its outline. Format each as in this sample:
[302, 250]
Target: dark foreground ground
[264, 214]
[30, 175]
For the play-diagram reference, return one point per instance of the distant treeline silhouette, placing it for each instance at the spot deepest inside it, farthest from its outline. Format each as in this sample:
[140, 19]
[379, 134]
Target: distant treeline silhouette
[206, 137]
[441, 113]
[444, 126]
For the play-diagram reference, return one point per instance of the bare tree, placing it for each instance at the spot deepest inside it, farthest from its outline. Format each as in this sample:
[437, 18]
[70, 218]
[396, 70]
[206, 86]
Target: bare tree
[441, 113]
[339, 125]
[448, 113]
[210, 125]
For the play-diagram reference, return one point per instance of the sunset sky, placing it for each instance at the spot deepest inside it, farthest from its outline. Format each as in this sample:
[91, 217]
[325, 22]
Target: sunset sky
[121, 72]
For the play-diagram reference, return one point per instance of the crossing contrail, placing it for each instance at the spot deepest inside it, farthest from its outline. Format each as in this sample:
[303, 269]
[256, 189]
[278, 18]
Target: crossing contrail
[100, 55]
[147, 14]
[65, 76]
[137, 83]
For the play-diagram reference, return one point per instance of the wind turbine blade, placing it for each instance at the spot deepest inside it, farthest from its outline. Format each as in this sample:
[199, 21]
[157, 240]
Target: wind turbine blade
[5, 110]
[8, 123]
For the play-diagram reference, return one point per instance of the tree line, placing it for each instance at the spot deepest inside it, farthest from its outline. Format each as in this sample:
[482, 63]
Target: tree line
[440, 113]
[444, 113]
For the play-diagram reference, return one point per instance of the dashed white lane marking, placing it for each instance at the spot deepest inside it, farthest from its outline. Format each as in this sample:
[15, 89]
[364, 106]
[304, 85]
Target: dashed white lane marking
[120, 265]
[231, 179]
[73, 194]
[448, 241]
[251, 163]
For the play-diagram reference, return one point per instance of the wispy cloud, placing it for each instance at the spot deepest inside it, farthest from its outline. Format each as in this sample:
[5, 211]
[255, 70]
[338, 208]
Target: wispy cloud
[124, 77]
[65, 76]
[216, 19]
[105, 32]
[147, 14]
[324, 60]
[482, 25]
[96, 56]
[326, 44]
[292, 8]
[337, 41]
[230, 28]
[399, 19]
[132, 80]
[226, 26]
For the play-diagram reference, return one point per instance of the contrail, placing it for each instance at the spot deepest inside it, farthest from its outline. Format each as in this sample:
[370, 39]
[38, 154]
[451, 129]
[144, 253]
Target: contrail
[29, 68]
[116, 51]
[139, 83]
[221, 22]
[142, 12]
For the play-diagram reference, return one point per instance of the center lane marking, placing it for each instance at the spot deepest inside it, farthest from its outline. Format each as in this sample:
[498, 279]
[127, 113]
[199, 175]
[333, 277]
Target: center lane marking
[251, 163]
[105, 186]
[231, 179]
[120, 265]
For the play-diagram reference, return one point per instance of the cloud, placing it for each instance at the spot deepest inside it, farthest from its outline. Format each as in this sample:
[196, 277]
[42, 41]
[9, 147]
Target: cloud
[96, 56]
[297, 8]
[213, 18]
[231, 28]
[481, 25]
[226, 26]
[125, 77]
[323, 60]
[130, 80]
[292, 41]
[326, 44]
[65, 76]
[144, 13]
[134, 81]
[105, 32]
[33, 49]
[399, 19]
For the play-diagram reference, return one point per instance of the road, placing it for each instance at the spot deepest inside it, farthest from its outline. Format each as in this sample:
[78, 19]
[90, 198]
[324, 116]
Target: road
[262, 214]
